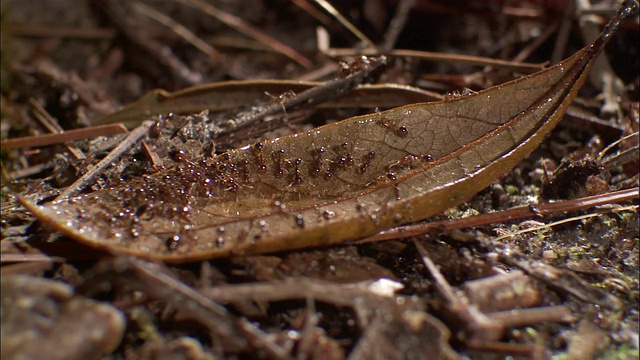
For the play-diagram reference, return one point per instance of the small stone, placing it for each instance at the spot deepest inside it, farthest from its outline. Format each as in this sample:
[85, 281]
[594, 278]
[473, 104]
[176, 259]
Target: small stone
[43, 319]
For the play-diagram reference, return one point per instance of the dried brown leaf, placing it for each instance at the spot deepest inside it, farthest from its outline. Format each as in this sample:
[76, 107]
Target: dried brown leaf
[332, 184]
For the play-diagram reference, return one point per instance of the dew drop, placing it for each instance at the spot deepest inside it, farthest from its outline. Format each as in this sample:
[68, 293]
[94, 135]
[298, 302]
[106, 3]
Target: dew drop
[264, 226]
[328, 215]
[219, 242]
[173, 242]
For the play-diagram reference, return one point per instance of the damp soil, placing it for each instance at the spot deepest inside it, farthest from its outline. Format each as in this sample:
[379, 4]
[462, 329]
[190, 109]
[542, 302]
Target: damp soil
[564, 285]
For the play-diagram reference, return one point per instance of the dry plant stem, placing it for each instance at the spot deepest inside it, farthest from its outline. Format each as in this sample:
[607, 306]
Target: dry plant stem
[289, 289]
[24, 267]
[615, 143]
[432, 56]
[397, 24]
[516, 213]
[117, 14]
[29, 171]
[565, 221]
[529, 49]
[581, 121]
[346, 23]
[563, 33]
[249, 30]
[477, 327]
[602, 75]
[156, 280]
[620, 159]
[564, 280]
[305, 99]
[50, 123]
[70, 135]
[524, 317]
[311, 10]
[179, 30]
[306, 343]
[114, 155]
[37, 30]
[36, 257]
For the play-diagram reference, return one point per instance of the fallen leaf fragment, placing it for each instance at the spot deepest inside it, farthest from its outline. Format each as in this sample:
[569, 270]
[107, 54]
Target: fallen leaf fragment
[335, 183]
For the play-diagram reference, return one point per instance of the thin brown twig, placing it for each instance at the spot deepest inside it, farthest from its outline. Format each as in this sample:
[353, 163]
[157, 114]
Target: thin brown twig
[249, 30]
[115, 154]
[397, 24]
[52, 125]
[478, 328]
[305, 99]
[179, 30]
[161, 53]
[311, 10]
[39, 30]
[523, 317]
[346, 23]
[517, 213]
[71, 135]
[534, 45]
[433, 56]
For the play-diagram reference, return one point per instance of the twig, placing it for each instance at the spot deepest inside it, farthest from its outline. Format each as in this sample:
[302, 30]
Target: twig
[158, 282]
[160, 52]
[529, 49]
[29, 171]
[307, 98]
[52, 125]
[179, 30]
[563, 221]
[249, 30]
[517, 213]
[70, 135]
[115, 154]
[39, 30]
[397, 24]
[295, 288]
[563, 33]
[477, 327]
[532, 316]
[433, 56]
[346, 23]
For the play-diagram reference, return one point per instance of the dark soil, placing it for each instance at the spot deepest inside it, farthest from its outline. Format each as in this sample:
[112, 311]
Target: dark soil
[571, 278]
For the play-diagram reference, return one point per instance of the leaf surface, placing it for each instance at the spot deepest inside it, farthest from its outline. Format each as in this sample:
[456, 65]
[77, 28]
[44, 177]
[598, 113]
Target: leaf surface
[332, 184]
[227, 95]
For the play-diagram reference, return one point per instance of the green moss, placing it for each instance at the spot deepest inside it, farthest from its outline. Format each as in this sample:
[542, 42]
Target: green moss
[622, 352]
